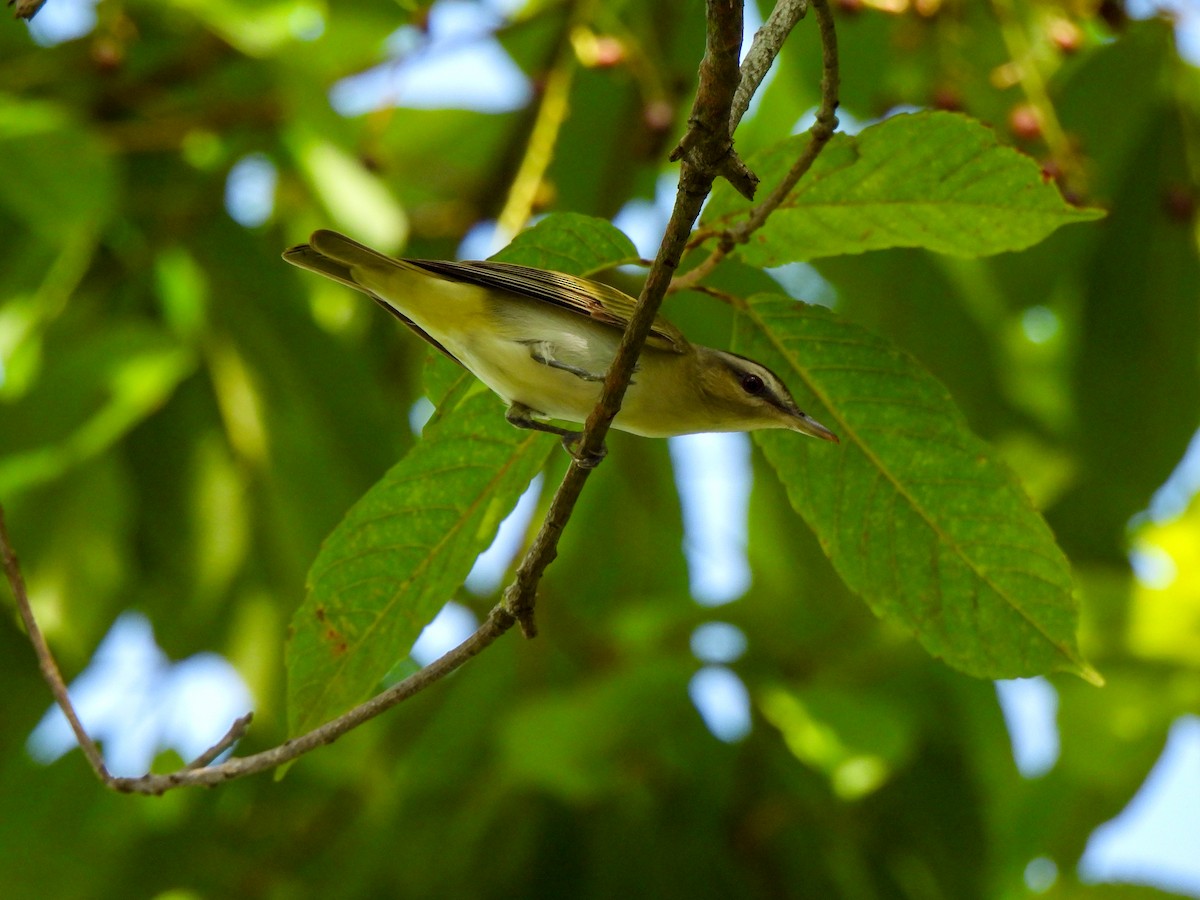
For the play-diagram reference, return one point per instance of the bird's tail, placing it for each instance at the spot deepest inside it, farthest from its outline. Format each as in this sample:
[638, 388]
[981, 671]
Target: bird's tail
[335, 256]
[350, 263]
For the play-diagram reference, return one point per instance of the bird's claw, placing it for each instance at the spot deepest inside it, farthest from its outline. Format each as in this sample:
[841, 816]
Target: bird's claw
[571, 443]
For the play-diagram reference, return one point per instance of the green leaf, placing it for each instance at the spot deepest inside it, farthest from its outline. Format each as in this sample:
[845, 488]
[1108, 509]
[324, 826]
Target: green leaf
[401, 552]
[570, 243]
[443, 379]
[1134, 352]
[912, 509]
[54, 174]
[573, 744]
[936, 180]
[256, 28]
[94, 390]
[856, 739]
[356, 198]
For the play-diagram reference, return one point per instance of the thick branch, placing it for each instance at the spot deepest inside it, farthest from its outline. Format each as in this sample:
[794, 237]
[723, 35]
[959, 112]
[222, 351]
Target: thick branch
[708, 143]
[706, 151]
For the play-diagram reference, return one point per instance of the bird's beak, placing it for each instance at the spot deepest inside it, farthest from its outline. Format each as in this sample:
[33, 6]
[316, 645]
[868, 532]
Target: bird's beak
[806, 424]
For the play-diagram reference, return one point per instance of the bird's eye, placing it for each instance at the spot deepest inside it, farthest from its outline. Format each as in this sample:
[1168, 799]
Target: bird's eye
[752, 384]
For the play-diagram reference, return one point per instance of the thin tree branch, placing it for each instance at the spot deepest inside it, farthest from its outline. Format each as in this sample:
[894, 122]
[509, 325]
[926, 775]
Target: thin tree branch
[497, 622]
[201, 771]
[763, 49]
[819, 134]
[26, 9]
[45, 658]
[236, 732]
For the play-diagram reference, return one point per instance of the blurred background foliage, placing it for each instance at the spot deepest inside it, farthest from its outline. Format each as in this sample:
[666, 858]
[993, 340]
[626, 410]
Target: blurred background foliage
[183, 418]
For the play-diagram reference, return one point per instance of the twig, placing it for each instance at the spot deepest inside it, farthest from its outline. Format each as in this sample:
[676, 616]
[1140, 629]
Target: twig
[1033, 85]
[497, 622]
[200, 771]
[763, 49]
[706, 151]
[819, 134]
[236, 732]
[45, 658]
[733, 301]
[26, 9]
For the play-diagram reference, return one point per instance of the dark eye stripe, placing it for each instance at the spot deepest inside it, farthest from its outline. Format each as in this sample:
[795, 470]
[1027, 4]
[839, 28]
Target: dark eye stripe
[759, 381]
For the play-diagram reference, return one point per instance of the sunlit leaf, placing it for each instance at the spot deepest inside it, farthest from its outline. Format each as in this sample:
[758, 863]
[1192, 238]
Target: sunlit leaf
[357, 199]
[1164, 611]
[858, 740]
[89, 396]
[258, 28]
[935, 180]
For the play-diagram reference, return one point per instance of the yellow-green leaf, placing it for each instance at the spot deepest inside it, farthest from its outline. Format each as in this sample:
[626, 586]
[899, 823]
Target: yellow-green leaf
[936, 180]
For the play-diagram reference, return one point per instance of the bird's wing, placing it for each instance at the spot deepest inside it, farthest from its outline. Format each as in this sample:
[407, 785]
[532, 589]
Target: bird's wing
[599, 302]
[335, 256]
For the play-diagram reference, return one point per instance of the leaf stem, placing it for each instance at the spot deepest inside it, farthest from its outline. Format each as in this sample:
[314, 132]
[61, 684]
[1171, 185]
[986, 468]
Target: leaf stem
[552, 110]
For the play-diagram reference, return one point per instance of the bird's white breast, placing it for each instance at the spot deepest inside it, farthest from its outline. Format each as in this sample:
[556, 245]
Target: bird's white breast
[502, 358]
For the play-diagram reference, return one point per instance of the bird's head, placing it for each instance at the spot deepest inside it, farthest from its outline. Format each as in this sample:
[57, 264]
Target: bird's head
[743, 395]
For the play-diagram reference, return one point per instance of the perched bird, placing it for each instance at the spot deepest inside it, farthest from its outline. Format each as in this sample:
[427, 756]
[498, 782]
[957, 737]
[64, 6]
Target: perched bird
[543, 341]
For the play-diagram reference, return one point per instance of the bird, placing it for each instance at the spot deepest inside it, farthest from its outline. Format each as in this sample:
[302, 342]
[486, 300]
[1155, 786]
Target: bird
[544, 340]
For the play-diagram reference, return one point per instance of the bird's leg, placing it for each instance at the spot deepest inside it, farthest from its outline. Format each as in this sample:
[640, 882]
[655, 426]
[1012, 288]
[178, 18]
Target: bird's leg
[543, 352]
[521, 416]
